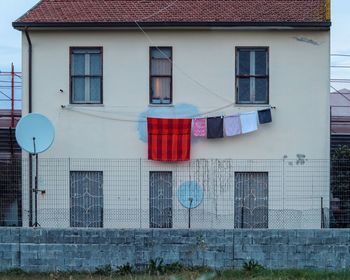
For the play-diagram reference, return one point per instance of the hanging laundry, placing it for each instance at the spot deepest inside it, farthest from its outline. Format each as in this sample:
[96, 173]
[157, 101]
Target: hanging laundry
[232, 125]
[249, 122]
[169, 139]
[215, 127]
[265, 116]
[199, 127]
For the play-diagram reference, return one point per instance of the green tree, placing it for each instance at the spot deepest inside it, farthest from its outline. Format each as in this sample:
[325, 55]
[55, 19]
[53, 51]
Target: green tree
[340, 187]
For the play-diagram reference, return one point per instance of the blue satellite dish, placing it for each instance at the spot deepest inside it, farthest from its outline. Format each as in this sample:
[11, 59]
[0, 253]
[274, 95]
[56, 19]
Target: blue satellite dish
[35, 133]
[190, 194]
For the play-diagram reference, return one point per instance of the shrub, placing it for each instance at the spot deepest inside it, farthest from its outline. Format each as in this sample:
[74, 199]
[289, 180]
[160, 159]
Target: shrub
[104, 270]
[252, 266]
[156, 266]
[125, 269]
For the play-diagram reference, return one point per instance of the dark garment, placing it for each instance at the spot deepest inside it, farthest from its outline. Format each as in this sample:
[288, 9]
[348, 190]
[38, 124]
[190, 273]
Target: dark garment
[265, 116]
[215, 127]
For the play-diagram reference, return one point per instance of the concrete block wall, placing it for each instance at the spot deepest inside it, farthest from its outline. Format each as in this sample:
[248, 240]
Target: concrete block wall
[86, 249]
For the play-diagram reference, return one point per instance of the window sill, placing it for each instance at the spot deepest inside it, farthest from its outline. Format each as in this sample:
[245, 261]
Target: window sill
[160, 105]
[252, 105]
[85, 105]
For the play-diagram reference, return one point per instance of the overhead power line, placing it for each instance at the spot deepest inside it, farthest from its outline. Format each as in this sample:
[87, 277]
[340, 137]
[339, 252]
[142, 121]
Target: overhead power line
[3, 81]
[342, 94]
[340, 81]
[340, 66]
[345, 55]
[4, 94]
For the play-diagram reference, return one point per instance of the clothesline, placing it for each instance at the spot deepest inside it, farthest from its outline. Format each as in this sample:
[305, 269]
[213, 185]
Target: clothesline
[143, 119]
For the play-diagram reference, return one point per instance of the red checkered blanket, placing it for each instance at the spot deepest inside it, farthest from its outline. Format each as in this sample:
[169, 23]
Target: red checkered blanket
[169, 139]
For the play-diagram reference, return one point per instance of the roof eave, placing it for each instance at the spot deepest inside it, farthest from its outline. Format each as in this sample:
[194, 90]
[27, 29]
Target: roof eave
[318, 25]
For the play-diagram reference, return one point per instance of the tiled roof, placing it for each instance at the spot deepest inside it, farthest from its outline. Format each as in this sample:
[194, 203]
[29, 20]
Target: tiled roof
[174, 12]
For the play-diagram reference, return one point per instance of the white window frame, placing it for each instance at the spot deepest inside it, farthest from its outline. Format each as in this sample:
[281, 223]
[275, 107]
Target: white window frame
[87, 51]
[252, 75]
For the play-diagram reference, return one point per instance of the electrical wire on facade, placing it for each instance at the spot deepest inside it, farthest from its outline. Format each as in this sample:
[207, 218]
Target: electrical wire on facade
[190, 77]
[180, 69]
[159, 11]
[92, 113]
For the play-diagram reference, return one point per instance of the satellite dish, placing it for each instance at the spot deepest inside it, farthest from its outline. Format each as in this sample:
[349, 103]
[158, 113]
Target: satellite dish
[190, 194]
[35, 133]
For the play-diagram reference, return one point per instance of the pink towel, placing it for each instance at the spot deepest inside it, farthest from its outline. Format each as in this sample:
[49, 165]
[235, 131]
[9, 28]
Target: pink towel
[199, 127]
[232, 125]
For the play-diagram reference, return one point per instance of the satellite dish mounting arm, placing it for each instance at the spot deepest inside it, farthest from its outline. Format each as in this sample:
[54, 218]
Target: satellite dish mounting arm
[189, 212]
[36, 188]
[34, 147]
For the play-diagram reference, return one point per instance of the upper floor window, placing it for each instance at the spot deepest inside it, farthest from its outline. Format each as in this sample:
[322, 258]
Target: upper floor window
[86, 75]
[252, 78]
[161, 75]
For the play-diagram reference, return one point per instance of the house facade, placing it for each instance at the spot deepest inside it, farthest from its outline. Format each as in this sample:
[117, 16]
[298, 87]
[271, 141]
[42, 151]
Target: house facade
[98, 69]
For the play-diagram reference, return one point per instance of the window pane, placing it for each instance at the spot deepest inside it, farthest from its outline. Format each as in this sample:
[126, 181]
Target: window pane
[78, 89]
[243, 90]
[161, 67]
[95, 64]
[261, 90]
[161, 88]
[244, 62]
[95, 89]
[78, 64]
[260, 62]
[164, 53]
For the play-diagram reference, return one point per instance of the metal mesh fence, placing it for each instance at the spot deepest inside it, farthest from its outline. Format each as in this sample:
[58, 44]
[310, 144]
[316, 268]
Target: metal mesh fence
[137, 193]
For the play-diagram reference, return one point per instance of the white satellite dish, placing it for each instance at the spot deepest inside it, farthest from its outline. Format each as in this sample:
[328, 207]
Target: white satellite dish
[35, 134]
[190, 194]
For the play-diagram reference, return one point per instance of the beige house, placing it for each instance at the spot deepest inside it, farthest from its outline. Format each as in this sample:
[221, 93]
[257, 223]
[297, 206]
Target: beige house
[96, 69]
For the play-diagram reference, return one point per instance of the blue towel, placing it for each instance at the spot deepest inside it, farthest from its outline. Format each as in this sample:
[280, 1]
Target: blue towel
[249, 122]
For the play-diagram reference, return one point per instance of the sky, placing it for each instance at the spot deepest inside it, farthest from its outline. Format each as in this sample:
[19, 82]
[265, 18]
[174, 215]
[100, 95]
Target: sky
[10, 39]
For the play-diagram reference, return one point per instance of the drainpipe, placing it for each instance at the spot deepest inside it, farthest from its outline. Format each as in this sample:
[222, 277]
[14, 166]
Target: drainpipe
[29, 111]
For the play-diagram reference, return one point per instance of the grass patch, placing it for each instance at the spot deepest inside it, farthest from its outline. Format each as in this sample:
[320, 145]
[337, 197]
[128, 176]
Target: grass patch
[181, 274]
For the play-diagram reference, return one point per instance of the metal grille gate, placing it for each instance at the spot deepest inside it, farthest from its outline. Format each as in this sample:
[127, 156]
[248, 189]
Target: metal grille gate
[86, 198]
[161, 186]
[251, 200]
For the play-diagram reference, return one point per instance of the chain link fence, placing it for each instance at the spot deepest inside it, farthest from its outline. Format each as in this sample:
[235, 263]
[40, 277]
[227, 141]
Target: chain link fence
[137, 193]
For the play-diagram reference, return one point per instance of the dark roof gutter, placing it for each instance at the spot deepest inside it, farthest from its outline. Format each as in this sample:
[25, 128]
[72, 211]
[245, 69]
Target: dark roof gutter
[30, 108]
[22, 25]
